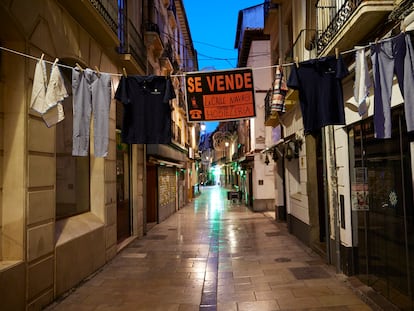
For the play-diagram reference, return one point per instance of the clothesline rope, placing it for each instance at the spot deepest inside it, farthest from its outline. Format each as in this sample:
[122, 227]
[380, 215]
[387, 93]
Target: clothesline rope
[183, 74]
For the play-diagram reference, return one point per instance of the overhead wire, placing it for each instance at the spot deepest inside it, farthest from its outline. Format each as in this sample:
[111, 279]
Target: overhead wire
[177, 75]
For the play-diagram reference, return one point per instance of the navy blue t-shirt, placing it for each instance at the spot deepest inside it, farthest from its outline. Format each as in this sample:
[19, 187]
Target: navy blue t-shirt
[147, 110]
[319, 82]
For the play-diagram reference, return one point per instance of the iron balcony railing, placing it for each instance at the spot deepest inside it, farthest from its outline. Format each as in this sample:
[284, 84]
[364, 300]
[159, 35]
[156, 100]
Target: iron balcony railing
[108, 9]
[150, 26]
[168, 53]
[172, 8]
[131, 41]
[331, 17]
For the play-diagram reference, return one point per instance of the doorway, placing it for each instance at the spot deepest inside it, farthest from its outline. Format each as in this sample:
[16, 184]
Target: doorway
[383, 213]
[123, 181]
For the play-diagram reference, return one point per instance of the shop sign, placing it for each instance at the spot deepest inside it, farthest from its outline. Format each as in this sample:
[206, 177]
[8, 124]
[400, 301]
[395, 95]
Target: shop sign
[220, 95]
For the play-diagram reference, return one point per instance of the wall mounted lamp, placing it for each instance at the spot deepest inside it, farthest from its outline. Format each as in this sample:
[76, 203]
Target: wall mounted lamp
[267, 161]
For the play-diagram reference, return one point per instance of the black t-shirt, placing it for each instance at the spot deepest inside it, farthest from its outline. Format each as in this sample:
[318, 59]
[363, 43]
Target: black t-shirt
[320, 91]
[147, 111]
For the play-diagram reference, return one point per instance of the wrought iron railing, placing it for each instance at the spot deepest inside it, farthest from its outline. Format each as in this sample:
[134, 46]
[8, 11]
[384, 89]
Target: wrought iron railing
[168, 52]
[153, 27]
[108, 9]
[331, 17]
[131, 41]
[172, 8]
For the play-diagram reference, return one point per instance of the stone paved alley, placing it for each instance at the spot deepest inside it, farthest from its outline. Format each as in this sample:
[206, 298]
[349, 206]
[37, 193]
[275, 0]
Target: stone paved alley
[215, 254]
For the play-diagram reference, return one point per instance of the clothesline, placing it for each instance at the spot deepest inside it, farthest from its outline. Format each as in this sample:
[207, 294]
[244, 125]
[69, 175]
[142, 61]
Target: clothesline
[174, 75]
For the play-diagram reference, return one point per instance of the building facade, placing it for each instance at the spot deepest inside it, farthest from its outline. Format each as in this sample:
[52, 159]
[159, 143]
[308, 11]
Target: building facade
[63, 217]
[349, 195]
[172, 169]
[253, 47]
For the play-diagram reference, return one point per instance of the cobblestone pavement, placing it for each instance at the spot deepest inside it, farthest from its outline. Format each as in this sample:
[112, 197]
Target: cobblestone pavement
[215, 255]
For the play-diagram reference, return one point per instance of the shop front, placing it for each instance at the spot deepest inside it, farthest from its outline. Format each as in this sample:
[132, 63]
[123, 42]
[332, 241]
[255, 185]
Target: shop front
[383, 209]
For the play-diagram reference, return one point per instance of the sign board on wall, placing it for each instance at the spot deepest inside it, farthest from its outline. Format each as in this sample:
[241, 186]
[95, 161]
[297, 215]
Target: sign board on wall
[220, 95]
[359, 190]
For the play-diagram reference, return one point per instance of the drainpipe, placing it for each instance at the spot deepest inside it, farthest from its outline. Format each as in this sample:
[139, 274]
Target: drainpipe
[326, 199]
[334, 194]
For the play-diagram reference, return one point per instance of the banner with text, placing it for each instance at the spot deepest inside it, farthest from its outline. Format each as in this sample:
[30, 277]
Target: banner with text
[220, 95]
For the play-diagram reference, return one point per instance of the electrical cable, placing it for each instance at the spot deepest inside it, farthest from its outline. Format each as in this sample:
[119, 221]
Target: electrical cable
[180, 75]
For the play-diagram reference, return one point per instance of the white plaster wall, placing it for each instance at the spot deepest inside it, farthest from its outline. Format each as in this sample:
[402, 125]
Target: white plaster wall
[263, 172]
[342, 164]
[262, 82]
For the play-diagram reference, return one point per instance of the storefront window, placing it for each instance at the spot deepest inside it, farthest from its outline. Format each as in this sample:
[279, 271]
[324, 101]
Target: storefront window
[72, 173]
[382, 205]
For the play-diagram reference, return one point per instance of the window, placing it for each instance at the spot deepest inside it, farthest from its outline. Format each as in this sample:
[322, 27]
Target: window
[72, 173]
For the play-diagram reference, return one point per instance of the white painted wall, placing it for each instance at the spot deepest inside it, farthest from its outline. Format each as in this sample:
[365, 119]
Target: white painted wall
[262, 79]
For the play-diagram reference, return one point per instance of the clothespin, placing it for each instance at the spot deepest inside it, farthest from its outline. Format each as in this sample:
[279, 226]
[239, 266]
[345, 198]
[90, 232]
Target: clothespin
[280, 62]
[55, 62]
[297, 62]
[124, 72]
[336, 53]
[97, 71]
[79, 67]
[41, 57]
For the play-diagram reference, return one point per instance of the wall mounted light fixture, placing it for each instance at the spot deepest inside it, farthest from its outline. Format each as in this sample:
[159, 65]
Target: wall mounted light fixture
[267, 161]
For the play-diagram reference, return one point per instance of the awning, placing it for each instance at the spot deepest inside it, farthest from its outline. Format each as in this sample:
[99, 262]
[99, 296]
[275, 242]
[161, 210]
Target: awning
[163, 162]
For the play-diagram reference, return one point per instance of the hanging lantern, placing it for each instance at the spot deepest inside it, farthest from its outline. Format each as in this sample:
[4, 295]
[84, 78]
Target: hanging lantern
[298, 146]
[275, 156]
[289, 151]
[267, 161]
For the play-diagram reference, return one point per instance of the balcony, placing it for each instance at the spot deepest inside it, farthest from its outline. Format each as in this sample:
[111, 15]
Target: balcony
[166, 59]
[132, 50]
[172, 15]
[99, 18]
[153, 38]
[342, 24]
[181, 102]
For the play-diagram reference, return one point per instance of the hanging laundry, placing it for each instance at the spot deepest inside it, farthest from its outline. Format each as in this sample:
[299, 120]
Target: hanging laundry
[389, 57]
[279, 92]
[54, 115]
[147, 111]
[362, 80]
[91, 95]
[38, 99]
[320, 91]
[55, 94]
[47, 100]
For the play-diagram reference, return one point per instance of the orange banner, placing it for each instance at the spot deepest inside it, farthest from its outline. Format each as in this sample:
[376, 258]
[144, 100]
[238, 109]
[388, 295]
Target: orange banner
[220, 95]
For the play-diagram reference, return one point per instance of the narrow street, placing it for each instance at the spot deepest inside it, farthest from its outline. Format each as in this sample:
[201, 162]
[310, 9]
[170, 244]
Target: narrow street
[215, 254]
